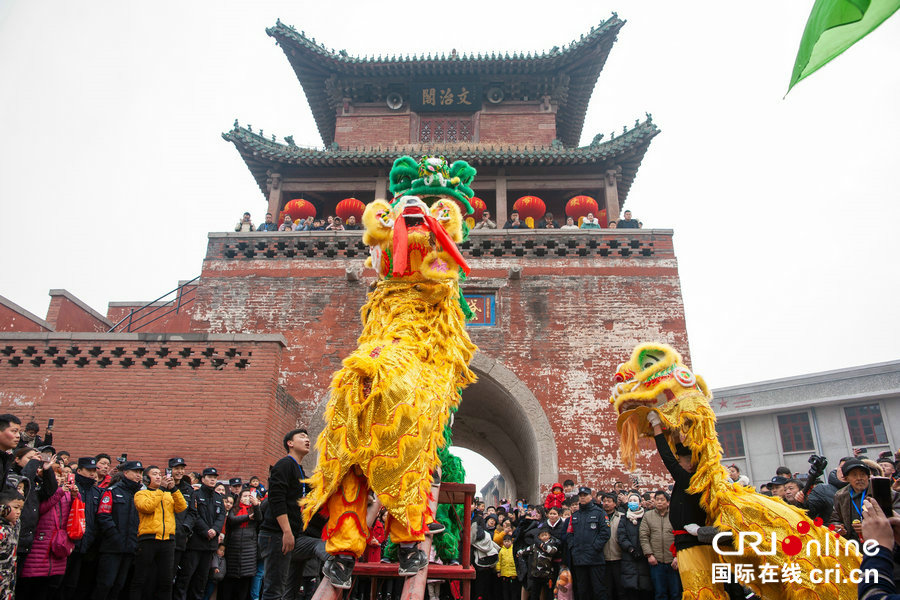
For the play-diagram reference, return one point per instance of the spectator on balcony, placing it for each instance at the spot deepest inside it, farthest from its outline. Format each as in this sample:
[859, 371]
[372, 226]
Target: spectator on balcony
[304, 224]
[269, 225]
[485, 222]
[570, 224]
[288, 224]
[590, 222]
[352, 225]
[245, 224]
[335, 225]
[548, 222]
[626, 222]
[514, 222]
[611, 225]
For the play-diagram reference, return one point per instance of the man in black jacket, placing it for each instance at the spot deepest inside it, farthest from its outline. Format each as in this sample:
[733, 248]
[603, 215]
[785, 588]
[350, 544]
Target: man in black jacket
[182, 531]
[117, 531]
[586, 536]
[86, 480]
[31, 439]
[9, 441]
[206, 517]
[282, 525]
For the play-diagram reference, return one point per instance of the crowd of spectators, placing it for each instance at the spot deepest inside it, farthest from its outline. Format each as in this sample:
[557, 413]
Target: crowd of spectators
[337, 224]
[170, 533]
[308, 224]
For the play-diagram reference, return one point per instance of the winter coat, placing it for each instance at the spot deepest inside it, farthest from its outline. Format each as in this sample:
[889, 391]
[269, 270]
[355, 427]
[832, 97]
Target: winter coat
[40, 489]
[554, 500]
[41, 560]
[612, 551]
[377, 534]
[635, 568]
[157, 510]
[218, 562]
[117, 518]
[242, 525]
[656, 536]
[205, 511]
[90, 495]
[587, 534]
[182, 531]
[506, 563]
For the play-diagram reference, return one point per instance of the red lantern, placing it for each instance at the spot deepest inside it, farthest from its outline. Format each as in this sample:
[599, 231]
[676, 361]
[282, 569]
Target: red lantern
[297, 209]
[530, 206]
[349, 207]
[580, 206]
[477, 205]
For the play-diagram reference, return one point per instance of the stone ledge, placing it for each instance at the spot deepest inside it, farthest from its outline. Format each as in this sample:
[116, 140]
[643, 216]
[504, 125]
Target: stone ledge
[187, 338]
[25, 313]
[80, 304]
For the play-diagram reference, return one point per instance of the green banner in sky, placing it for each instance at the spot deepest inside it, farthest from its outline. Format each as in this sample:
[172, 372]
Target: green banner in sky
[834, 26]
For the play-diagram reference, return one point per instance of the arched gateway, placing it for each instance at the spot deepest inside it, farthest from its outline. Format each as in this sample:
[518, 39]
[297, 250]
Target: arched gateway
[501, 419]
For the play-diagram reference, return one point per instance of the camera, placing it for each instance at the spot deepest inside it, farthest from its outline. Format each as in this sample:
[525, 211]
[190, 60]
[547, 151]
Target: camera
[818, 464]
[122, 458]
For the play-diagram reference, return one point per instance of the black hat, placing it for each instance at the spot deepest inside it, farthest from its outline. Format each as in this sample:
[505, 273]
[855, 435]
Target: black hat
[778, 480]
[176, 462]
[49, 449]
[87, 462]
[584, 490]
[210, 471]
[133, 465]
[854, 463]
[235, 481]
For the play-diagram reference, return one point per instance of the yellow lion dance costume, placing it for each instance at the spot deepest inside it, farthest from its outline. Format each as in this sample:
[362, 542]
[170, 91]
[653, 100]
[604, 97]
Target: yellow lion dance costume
[655, 379]
[395, 393]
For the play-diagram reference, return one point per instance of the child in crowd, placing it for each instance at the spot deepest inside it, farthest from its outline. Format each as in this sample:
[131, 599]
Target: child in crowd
[506, 570]
[540, 564]
[216, 571]
[11, 503]
[564, 585]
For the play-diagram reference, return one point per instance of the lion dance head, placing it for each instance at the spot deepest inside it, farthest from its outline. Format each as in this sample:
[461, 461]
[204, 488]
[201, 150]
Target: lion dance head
[655, 378]
[414, 237]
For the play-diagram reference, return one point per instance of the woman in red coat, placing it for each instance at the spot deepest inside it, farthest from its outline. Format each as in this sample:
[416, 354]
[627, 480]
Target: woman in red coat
[46, 563]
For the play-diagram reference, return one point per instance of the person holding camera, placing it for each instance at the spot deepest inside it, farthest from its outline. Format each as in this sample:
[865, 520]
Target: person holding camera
[848, 502]
[117, 524]
[206, 517]
[30, 436]
[157, 506]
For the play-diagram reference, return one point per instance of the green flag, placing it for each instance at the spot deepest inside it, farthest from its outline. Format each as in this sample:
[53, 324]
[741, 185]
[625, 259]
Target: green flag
[834, 26]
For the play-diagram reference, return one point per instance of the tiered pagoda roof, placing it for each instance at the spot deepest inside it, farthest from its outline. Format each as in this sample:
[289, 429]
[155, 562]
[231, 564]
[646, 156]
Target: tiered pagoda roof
[627, 150]
[569, 74]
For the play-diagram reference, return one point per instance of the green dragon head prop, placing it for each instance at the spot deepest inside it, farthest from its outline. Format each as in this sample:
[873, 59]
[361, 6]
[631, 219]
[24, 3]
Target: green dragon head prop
[432, 178]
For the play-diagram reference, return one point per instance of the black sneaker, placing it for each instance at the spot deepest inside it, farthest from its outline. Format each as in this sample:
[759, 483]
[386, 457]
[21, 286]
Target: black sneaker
[339, 570]
[412, 560]
[435, 527]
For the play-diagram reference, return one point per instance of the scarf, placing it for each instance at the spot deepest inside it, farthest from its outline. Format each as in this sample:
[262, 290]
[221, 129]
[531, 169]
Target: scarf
[634, 515]
[243, 510]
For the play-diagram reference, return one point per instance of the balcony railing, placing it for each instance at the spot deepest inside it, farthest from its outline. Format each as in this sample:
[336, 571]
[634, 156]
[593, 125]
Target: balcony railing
[495, 243]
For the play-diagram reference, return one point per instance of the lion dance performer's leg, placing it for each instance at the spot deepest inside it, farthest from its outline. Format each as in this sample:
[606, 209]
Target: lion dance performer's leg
[695, 568]
[347, 531]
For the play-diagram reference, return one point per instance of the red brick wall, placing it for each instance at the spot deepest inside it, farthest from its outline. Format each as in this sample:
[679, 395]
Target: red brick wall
[220, 412]
[535, 129]
[66, 315]
[11, 320]
[356, 130]
[562, 328]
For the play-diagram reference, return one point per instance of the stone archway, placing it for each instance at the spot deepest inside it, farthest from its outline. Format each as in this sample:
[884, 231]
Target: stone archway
[499, 418]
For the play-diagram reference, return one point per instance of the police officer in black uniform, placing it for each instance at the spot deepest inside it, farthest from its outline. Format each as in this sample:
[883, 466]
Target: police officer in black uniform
[117, 531]
[586, 536]
[82, 562]
[182, 531]
[206, 517]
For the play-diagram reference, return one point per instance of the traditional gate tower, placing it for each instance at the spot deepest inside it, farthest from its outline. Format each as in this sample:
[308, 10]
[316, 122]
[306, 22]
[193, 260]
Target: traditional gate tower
[253, 342]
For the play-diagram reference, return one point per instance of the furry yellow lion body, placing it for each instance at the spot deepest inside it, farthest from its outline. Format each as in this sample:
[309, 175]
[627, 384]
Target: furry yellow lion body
[656, 379]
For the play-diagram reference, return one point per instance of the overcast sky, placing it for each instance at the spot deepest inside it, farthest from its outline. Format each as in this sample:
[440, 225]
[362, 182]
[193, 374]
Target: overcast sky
[785, 211]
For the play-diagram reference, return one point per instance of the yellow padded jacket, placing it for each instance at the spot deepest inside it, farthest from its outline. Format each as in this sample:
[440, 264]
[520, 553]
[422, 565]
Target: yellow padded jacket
[157, 509]
[506, 563]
